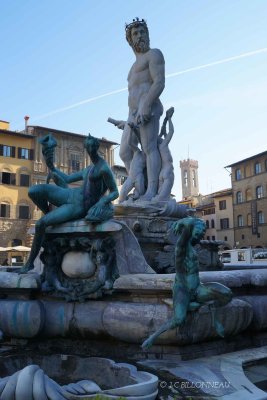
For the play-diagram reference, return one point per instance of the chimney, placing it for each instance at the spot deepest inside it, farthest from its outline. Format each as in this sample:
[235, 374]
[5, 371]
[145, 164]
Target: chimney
[26, 118]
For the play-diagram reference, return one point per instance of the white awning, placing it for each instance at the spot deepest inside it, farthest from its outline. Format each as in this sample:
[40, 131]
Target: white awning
[15, 248]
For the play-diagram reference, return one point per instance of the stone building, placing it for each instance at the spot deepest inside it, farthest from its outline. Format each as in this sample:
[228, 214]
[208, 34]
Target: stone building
[249, 184]
[189, 175]
[70, 154]
[22, 165]
[217, 211]
[16, 171]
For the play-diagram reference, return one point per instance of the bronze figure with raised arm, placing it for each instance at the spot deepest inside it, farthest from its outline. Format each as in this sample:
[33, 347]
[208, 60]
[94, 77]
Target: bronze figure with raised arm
[188, 292]
[89, 200]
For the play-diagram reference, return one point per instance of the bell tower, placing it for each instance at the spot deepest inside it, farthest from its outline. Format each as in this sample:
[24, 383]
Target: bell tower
[189, 175]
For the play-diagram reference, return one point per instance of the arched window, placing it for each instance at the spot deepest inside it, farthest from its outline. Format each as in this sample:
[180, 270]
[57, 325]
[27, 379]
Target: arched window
[24, 180]
[212, 223]
[185, 178]
[23, 211]
[207, 224]
[194, 178]
[239, 197]
[249, 220]
[240, 220]
[248, 195]
[257, 168]
[260, 217]
[5, 210]
[16, 242]
[259, 192]
[75, 162]
[238, 174]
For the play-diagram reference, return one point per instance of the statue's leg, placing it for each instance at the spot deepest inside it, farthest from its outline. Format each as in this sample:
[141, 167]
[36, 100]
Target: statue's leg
[37, 194]
[149, 140]
[62, 214]
[214, 291]
[43, 194]
[181, 300]
[165, 186]
[217, 295]
[128, 142]
[126, 188]
[139, 186]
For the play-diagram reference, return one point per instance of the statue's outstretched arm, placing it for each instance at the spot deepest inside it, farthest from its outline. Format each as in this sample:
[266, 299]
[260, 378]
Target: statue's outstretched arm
[118, 123]
[77, 176]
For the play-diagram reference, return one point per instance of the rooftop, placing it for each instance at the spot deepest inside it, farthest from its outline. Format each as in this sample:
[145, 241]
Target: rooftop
[51, 130]
[264, 153]
[16, 133]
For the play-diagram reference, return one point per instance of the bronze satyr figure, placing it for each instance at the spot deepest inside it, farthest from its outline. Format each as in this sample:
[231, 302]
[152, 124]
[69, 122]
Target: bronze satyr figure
[189, 294]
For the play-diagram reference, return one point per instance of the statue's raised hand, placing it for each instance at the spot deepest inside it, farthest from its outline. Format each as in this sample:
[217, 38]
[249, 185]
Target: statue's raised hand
[169, 112]
[48, 154]
[59, 181]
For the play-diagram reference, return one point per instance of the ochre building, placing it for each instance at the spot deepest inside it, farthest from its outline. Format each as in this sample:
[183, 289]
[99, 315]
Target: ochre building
[249, 184]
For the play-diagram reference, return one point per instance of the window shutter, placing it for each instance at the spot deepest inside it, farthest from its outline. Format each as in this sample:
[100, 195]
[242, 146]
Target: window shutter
[13, 151]
[19, 152]
[1, 149]
[12, 179]
[31, 154]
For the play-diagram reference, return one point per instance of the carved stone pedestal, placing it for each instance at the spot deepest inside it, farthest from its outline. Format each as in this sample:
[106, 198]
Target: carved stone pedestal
[82, 260]
[151, 223]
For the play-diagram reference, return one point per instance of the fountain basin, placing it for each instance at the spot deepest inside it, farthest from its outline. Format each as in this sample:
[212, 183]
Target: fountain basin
[54, 377]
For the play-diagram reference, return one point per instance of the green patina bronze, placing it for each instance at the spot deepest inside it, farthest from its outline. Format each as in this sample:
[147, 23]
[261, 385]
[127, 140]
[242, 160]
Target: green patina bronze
[189, 294]
[88, 201]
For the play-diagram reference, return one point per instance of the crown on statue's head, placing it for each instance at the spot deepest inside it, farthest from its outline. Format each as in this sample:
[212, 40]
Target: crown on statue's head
[136, 21]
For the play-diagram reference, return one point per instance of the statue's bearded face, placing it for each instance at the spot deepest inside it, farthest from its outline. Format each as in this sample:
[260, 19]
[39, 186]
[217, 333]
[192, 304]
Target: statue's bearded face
[140, 39]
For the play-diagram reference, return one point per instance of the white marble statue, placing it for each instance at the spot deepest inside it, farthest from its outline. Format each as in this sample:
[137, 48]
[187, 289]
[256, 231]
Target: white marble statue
[146, 81]
[166, 176]
[137, 173]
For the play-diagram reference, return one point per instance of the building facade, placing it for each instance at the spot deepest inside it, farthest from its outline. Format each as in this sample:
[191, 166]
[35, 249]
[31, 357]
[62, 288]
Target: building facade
[249, 184]
[217, 211]
[16, 171]
[224, 222]
[70, 153]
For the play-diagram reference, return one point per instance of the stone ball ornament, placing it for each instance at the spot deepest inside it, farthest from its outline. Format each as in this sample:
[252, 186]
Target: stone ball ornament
[78, 264]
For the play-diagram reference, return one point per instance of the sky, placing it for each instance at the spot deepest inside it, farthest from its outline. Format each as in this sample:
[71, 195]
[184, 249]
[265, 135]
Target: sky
[65, 64]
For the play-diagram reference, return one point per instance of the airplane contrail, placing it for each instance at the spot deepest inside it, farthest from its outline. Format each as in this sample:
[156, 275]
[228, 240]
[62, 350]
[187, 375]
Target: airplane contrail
[59, 110]
[223, 61]
[182, 72]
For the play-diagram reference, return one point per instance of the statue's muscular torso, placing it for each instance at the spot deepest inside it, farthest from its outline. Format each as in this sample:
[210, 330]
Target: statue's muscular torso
[140, 79]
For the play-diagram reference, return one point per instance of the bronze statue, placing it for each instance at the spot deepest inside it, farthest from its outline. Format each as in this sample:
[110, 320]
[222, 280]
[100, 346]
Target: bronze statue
[88, 200]
[189, 294]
